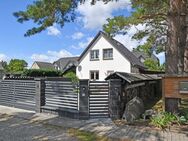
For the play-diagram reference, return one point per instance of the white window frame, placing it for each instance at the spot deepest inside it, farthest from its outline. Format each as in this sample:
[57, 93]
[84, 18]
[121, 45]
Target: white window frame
[95, 74]
[95, 57]
[108, 57]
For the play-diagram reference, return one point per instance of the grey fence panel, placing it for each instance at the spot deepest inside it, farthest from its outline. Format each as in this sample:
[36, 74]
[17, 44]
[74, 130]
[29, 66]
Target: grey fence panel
[61, 95]
[18, 93]
[7, 93]
[98, 99]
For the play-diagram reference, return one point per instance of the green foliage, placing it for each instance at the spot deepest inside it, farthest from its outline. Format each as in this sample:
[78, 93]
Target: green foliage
[86, 136]
[147, 47]
[153, 65]
[41, 73]
[164, 120]
[47, 12]
[150, 13]
[72, 76]
[16, 65]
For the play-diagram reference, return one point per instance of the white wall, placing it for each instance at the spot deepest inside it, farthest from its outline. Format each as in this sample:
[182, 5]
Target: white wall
[119, 63]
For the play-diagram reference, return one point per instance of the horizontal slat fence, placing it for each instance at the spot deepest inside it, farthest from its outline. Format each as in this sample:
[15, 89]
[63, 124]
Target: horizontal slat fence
[18, 93]
[98, 99]
[57, 95]
[61, 95]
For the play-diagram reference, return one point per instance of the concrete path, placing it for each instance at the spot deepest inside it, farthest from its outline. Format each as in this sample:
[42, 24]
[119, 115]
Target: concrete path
[99, 126]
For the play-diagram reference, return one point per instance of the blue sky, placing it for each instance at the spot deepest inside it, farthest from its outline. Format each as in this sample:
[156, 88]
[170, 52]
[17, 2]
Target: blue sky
[56, 42]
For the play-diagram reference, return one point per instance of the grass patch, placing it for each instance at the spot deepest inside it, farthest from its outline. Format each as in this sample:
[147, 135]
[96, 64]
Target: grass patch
[87, 136]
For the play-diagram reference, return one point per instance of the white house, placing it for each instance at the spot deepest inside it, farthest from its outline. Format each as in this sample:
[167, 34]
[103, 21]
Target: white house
[103, 56]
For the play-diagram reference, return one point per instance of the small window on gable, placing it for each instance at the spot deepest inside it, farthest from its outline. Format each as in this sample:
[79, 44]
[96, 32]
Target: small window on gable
[94, 55]
[107, 54]
[94, 75]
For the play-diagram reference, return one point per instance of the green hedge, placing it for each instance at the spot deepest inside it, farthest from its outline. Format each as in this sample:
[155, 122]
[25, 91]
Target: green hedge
[72, 76]
[41, 73]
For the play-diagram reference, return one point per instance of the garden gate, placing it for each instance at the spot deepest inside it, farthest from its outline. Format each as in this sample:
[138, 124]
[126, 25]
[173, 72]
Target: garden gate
[98, 99]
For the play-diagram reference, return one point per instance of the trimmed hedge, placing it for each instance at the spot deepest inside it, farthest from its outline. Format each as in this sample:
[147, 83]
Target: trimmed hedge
[41, 73]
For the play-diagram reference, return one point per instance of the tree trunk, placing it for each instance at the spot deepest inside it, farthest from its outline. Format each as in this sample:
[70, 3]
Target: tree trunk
[186, 47]
[182, 36]
[176, 45]
[172, 46]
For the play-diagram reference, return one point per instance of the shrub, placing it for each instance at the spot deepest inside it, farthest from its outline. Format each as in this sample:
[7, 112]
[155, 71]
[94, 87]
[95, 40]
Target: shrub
[41, 73]
[164, 120]
[72, 76]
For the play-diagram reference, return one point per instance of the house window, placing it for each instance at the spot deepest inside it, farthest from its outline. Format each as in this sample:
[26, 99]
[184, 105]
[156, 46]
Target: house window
[107, 54]
[94, 75]
[94, 55]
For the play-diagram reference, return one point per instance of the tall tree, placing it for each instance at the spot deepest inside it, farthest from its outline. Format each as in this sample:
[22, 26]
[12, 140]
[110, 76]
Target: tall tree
[16, 65]
[150, 13]
[47, 12]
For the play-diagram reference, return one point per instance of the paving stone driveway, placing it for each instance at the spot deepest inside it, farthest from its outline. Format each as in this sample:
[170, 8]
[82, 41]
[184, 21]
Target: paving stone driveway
[13, 128]
[20, 125]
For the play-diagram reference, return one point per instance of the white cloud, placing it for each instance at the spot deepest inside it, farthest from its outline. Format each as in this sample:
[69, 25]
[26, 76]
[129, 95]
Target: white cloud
[61, 53]
[39, 57]
[53, 31]
[51, 56]
[94, 16]
[77, 35]
[127, 40]
[83, 44]
[3, 57]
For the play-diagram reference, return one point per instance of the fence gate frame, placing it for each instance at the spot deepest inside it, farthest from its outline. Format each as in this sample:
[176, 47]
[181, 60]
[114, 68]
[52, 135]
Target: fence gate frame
[99, 99]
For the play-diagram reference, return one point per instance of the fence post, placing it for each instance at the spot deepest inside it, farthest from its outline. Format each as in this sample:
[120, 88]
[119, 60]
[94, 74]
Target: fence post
[115, 99]
[84, 99]
[40, 94]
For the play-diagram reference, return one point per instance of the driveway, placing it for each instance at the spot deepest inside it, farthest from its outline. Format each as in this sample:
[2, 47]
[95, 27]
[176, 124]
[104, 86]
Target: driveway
[17, 128]
[21, 125]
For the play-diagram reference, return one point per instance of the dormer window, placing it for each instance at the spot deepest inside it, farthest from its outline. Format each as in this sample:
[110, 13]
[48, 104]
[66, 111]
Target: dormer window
[94, 55]
[108, 54]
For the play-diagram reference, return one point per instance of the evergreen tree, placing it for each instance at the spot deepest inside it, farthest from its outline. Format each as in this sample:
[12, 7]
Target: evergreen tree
[47, 12]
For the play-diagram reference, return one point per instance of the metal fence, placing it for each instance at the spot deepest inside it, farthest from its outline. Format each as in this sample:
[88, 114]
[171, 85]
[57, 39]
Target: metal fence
[98, 99]
[61, 95]
[18, 93]
[89, 99]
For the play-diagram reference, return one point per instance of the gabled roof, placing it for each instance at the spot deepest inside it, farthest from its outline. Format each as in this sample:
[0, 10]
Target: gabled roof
[133, 77]
[44, 65]
[144, 55]
[120, 47]
[62, 63]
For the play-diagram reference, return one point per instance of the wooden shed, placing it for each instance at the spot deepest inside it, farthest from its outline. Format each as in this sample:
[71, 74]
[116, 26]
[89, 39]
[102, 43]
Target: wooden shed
[174, 88]
[147, 87]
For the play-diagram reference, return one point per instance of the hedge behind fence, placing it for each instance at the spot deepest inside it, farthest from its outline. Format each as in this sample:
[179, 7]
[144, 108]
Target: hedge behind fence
[41, 73]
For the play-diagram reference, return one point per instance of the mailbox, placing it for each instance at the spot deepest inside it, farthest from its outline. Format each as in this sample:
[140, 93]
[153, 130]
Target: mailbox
[183, 87]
